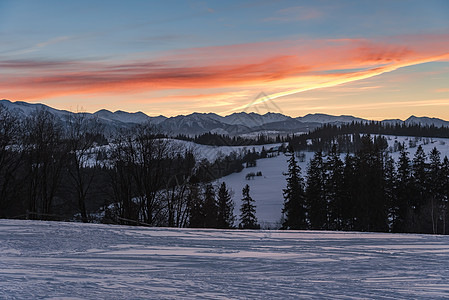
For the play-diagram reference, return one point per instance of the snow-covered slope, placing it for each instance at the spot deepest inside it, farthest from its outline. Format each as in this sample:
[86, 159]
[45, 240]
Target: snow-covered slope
[211, 153]
[267, 189]
[53, 260]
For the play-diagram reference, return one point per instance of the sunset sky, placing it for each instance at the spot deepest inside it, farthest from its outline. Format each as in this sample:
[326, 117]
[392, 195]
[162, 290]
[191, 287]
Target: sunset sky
[372, 59]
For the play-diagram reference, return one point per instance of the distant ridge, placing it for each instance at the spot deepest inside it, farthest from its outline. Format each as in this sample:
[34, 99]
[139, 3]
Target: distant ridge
[198, 123]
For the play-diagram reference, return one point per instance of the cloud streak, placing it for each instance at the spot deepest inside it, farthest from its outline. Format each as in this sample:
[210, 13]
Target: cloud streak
[281, 68]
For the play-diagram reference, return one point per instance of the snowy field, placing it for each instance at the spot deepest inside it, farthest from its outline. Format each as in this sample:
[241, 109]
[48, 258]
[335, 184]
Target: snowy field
[267, 189]
[52, 260]
[211, 153]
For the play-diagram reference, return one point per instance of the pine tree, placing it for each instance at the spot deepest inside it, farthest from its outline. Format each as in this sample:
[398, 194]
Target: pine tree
[315, 192]
[445, 191]
[225, 208]
[210, 207]
[334, 189]
[294, 198]
[419, 191]
[403, 193]
[390, 192]
[195, 203]
[248, 218]
[435, 188]
[350, 184]
[372, 213]
[419, 174]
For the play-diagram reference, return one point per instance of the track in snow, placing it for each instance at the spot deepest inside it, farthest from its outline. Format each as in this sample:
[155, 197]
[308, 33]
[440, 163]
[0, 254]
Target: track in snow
[90, 261]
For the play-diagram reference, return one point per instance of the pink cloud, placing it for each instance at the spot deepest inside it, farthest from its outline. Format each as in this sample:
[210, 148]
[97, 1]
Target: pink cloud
[281, 64]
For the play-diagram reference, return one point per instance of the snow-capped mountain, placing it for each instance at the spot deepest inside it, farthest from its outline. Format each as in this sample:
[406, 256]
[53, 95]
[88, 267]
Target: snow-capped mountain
[195, 123]
[24, 109]
[426, 121]
[326, 119]
[253, 119]
[126, 117]
[198, 123]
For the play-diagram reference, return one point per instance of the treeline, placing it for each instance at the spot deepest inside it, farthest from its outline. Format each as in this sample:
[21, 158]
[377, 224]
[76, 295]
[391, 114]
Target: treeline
[55, 171]
[347, 136]
[215, 139]
[369, 191]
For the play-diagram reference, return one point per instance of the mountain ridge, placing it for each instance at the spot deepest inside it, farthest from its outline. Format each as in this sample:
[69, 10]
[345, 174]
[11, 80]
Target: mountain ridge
[233, 124]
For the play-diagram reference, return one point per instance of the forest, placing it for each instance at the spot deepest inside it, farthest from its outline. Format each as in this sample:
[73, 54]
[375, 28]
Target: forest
[369, 191]
[347, 136]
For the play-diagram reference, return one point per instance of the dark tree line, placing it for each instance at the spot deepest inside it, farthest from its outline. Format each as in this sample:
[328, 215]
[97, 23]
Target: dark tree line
[347, 137]
[211, 207]
[369, 191]
[215, 139]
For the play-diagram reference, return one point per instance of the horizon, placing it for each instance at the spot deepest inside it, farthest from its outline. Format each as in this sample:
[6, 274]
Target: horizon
[373, 60]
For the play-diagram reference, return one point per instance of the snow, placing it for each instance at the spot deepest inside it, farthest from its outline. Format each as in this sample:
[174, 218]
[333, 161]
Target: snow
[266, 190]
[53, 260]
[211, 153]
[442, 144]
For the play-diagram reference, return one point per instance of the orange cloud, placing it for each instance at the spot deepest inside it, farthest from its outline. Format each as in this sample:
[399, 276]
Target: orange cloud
[282, 68]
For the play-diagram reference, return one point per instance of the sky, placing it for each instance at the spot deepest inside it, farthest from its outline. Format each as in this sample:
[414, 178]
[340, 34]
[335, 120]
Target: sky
[372, 59]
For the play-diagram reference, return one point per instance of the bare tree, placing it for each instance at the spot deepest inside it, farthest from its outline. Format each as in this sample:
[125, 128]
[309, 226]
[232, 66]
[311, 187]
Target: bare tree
[10, 159]
[45, 156]
[81, 135]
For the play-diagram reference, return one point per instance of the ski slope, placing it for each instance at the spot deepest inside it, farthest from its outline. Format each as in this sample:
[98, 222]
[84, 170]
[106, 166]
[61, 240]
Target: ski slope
[53, 260]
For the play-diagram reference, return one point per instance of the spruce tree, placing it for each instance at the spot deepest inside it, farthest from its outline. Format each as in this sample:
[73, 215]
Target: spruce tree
[350, 184]
[390, 193]
[435, 188]
[294, 198]
[315, 192]
[419, 174]
[248, 218]
[225, 208]
[445, 192]
[403, 193]
[334, 189]
[210, 207]
[196, 205]
[372, 215]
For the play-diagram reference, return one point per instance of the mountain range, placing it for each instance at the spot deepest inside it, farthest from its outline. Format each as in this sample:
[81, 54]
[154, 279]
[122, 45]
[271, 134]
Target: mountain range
[198, 123]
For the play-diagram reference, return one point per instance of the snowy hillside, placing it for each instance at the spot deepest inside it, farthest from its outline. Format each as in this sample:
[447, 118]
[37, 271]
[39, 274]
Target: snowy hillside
[211, 153]
[52, 260]
[267, 189]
